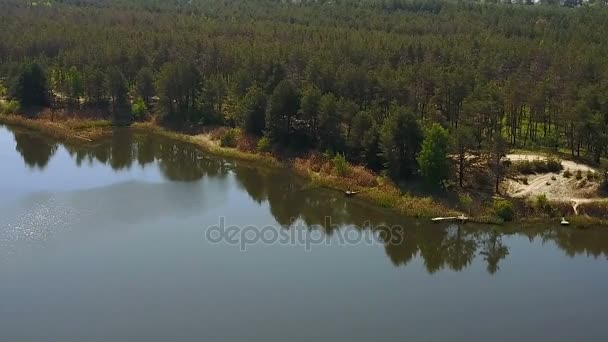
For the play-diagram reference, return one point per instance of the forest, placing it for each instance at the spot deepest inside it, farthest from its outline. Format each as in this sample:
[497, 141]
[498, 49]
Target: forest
[394, 85]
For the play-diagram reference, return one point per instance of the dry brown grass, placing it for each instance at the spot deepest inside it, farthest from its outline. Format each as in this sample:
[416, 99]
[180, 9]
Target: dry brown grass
[67, 130]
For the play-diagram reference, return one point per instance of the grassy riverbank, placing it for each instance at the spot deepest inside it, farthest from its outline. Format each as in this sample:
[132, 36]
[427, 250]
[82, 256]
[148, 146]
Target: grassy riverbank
[323, 172]
[71, 130]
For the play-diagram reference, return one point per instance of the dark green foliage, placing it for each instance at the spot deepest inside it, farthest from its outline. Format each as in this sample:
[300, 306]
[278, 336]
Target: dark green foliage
[536, 77]
[400, 139]
[463, 143]
[282, 108]
[528, 167]
[179, 87]
[495, 152]
[328, 133]
[30, 86]
[145, 85]
[118, 88]
[252, 111]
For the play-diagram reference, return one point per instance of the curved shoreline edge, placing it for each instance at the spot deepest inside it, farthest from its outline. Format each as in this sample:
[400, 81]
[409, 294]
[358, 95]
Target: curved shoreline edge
[384, 195]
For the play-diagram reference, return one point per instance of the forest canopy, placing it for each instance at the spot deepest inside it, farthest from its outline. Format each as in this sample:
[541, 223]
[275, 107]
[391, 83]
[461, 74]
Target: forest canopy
[366, 78]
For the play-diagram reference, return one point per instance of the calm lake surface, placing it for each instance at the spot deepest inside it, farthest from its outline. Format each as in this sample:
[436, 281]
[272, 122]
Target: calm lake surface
[112, 242]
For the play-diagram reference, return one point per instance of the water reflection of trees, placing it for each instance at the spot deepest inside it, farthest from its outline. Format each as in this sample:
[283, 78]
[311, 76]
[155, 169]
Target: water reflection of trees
[454, 247]
[288, 197]
[35, 151]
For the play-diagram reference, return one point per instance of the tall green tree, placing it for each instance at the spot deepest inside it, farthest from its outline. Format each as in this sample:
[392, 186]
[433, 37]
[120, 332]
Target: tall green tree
[282, 108]
[118, 88]
[145, 85]
[30, 87]
[433, 158]
[496, 151]
[463, 142]
[329, 135]
[252, 110]
[400, 139]
[179, 87]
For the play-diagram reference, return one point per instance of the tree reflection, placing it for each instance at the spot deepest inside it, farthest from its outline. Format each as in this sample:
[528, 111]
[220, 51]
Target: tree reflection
[35, 151]
[290, 199]
[493, 251]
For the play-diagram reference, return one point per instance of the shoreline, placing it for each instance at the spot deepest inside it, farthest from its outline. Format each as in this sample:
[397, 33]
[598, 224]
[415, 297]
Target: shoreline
[384, 194]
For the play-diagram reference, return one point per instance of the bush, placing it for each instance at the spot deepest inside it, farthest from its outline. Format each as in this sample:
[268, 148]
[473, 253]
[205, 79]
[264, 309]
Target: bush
[465, 202]
[528, 167]
[567, 174]
[553, 164]
[503, 209]
[9, 107]
[138, 109]
[542, 203]
[524, 167]
[341, 165]
[228, 139]
[591, 176]
[540, 166]
[264, 145]
[579, 175]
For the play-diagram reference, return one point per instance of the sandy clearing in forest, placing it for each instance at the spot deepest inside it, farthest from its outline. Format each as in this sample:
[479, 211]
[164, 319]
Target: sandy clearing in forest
[554, 185]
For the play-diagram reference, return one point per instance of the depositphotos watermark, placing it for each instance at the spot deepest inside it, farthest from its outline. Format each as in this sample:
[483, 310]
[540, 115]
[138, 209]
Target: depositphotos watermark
[299, 233]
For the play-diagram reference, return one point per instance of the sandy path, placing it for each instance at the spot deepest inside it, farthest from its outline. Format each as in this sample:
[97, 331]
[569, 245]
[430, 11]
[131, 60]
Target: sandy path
[568, 164]
[554, 185]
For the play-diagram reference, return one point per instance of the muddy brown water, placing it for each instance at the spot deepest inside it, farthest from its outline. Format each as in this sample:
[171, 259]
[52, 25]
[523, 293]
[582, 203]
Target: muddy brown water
[141, 238]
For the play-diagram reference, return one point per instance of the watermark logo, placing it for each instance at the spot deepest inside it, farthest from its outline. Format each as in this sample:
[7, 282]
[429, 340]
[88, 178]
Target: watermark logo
[300, 234]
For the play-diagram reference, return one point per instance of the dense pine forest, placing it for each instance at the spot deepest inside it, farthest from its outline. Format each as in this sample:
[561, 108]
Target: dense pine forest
[394, 85]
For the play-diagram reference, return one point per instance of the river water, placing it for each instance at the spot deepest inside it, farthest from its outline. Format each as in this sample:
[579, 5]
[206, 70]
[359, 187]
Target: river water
[141, 238]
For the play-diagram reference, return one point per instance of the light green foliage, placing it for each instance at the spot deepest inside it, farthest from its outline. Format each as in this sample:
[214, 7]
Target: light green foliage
[542, 203]
[465, 201]
[340, 164]
[228, 139]
[433, 158]
[138, 109]
[264, 145]
[9, 107]
[503, 209]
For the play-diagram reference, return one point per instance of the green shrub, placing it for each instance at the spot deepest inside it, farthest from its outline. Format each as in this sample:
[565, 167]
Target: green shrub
[524, 167]
[540, 166]
[567, 174]
[340, 163]
[578, 175]
[528, 167]
[9, 107]
[553, 164]
[503, 209]
[228, 139]
[264, 145]
[465, 202]
[138, 109]
[542, 202]
[591, 175]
